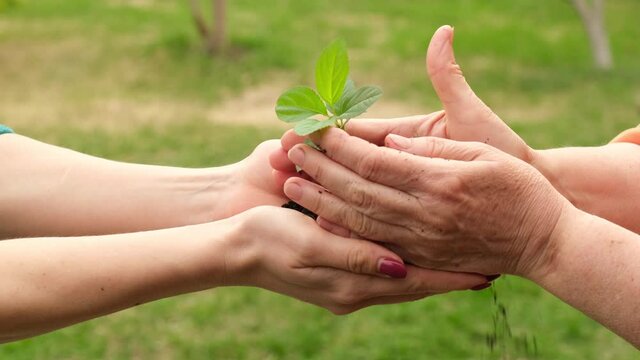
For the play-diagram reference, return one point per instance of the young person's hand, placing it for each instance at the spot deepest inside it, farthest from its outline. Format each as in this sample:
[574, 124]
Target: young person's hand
[284, 251]
[251, 183]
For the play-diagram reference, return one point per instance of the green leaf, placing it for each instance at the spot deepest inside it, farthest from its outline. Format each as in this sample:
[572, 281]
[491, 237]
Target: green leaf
[313, 145]
[332, 70]
[349, 89]
[349, 86]
[299, 103]
[356, 102]
[309, 126]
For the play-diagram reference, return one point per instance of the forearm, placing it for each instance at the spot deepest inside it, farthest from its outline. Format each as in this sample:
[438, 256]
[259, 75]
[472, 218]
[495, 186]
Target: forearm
[51, 283]
[50, 191]
[595, 269]
[599, 180]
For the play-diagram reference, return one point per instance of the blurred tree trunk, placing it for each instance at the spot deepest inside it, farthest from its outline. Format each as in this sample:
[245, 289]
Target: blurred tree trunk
[213, 36]
[592, 15]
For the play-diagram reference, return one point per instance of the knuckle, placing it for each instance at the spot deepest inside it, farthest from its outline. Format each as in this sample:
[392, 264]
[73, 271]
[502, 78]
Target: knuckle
[321, 204]
[361, 225]
[455, 186]
[368, 165]
[306, 249]
[318, 173]
[356, 260]
[359, 195]
[415, 287]
[455, 69]
[346, 297]
[334, 143]
[436, 147]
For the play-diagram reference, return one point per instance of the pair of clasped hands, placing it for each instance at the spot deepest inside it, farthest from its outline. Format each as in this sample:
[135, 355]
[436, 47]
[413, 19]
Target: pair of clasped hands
[450, 191]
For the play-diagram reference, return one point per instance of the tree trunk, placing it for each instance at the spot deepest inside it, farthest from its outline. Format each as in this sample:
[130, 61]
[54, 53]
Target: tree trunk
[218, 36]
[196, 14]
[213, 36]
[593, 21]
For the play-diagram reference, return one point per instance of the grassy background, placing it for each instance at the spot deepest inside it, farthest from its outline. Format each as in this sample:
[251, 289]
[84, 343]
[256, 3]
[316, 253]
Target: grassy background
[127, 80]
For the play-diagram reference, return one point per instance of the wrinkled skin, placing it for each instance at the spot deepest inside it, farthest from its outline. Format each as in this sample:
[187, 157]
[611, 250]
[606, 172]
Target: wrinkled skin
[454, 205]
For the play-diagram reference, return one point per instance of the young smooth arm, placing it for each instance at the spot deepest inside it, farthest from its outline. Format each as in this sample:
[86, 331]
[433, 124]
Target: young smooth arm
[46, 190]
[49, 283]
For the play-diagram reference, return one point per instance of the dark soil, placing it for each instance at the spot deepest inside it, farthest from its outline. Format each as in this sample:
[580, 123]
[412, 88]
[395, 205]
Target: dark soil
[297, 207]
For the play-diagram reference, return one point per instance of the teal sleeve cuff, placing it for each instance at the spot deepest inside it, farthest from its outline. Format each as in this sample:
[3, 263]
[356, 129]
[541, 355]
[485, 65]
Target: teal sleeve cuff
[5, 130]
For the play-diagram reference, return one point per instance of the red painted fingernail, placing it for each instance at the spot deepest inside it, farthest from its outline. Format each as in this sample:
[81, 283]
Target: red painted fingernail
[492, 277]
[480, 287]
[293, 191]
[296, 155]
[392, 268]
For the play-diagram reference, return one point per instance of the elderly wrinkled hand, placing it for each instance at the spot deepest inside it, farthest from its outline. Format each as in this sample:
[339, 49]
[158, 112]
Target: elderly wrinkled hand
[453, 205]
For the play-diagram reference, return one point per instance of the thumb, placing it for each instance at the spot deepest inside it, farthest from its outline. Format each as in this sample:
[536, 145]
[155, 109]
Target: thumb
[358, 256]
[435, 147]
[459, 101]
[468, 118]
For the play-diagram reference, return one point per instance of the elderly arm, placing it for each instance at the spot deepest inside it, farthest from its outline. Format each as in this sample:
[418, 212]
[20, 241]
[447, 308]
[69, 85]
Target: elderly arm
[465, 206]
[599, 180]
[595, 269]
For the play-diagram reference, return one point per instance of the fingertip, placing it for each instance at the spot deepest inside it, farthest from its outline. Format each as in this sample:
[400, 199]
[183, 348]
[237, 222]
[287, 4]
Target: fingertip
[475, 281]
[397, 142]
[333, 228]
[392, 267]
[440, 50]
[296, 155]
[319, 137]
[279, 160]
[292, 189]
[290, 139]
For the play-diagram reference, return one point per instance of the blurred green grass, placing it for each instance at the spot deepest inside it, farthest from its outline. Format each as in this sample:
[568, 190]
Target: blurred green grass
[59, 60]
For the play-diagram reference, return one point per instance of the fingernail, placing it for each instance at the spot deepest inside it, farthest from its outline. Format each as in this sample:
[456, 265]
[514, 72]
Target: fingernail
[293, 191]
[399, 142]
[392, 268]
[297, 156]
[492, 277]
[480, 287]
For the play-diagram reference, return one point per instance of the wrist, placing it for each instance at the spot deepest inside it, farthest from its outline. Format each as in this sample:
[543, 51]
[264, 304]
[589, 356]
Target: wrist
[235, 245]
[213, 192]
[548, 163]
[552, 255]
[220, 259]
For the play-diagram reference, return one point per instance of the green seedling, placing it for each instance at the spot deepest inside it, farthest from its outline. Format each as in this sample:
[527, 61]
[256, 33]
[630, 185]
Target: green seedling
[336, 99]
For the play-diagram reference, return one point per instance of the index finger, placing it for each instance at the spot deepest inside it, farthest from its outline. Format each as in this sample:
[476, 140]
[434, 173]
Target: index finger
[375, 130]
[377, 164]
[290, 139]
